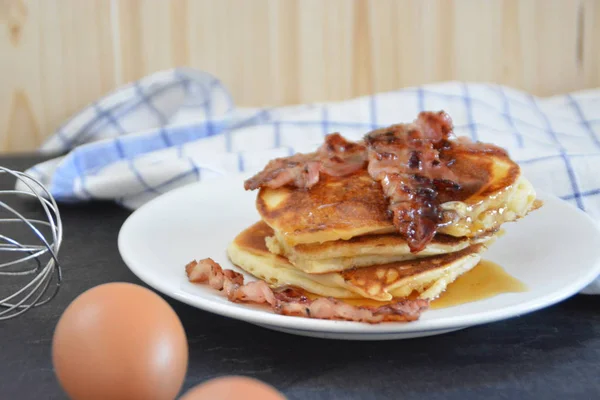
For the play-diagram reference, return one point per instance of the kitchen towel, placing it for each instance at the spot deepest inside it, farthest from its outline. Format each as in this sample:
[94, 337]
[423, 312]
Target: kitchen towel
[180, 126]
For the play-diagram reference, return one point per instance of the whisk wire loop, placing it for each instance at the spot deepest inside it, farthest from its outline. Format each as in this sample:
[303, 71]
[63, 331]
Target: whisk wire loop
[37, 259]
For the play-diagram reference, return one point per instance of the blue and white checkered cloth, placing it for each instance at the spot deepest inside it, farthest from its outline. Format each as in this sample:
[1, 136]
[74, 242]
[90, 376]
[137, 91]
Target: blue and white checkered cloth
[180, 126]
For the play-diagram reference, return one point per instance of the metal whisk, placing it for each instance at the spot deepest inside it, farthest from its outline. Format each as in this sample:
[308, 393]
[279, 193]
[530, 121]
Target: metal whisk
[29, 270]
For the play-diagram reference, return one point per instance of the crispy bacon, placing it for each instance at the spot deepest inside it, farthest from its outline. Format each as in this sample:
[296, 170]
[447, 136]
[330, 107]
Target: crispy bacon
[340, 157]
[405, 159]
[434, 126]
[336, 157]
[294, 303]
[301, 170]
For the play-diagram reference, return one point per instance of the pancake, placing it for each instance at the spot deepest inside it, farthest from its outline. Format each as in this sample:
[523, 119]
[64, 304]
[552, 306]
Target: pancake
[361, 251]
[493, 192]
[427, 276]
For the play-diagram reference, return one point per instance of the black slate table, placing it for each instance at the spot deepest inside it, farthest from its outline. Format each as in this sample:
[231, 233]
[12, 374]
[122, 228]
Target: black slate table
[549, 354]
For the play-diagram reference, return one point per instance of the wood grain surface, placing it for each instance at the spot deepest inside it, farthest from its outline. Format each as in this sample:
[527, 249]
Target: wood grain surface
[59, 55]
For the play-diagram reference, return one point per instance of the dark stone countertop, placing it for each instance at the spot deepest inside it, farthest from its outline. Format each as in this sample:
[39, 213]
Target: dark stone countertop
[550, 354]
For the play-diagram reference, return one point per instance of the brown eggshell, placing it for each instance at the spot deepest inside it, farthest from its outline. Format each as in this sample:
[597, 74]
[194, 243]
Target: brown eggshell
[120, 341]
[233, 388]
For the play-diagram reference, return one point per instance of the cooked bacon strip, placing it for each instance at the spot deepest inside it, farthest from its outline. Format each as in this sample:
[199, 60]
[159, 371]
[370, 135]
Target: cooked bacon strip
[336, 157]
[292, 302]
[405, 159]
[300, 169]
[340, 157]
[435, 127]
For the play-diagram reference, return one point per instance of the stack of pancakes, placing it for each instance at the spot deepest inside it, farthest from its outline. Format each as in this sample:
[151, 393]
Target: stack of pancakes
[337, 238]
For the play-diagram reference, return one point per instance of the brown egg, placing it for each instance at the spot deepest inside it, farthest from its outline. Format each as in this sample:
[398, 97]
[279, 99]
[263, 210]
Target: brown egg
[233, 388]
[120, 341]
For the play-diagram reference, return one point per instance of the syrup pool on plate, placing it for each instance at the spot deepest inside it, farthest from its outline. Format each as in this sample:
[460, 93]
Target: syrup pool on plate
[486, 279]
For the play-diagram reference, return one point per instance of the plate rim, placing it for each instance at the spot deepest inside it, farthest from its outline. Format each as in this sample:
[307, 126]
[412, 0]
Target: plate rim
[265, 317]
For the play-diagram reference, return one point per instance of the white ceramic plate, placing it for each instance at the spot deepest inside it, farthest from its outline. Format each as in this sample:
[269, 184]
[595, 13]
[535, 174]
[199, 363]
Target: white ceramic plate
[555, 251]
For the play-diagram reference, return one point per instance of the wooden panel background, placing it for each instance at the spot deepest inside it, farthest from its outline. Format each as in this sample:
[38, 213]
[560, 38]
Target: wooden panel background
[58, 55]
